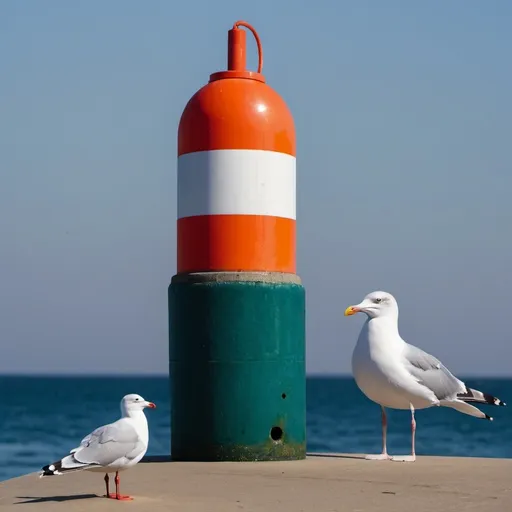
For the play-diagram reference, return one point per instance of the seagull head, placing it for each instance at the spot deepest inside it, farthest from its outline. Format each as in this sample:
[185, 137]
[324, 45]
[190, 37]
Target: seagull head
[375, 305]
[133, 402]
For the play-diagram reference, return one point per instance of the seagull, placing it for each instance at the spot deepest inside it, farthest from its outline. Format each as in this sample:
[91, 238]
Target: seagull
[111, 448]
[397, 375]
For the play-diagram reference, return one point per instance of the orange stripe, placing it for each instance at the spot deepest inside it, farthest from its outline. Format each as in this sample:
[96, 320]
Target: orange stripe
[236, 243]
[236, 113]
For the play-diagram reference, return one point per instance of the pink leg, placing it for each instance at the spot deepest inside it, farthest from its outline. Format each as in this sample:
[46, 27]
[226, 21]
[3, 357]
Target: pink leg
[413, 433]
[384, 431]
[384, 455]
[117, 495]
[412, 457]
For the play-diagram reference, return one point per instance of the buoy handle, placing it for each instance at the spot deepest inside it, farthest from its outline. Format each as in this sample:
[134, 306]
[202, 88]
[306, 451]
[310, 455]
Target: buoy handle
[236, 50]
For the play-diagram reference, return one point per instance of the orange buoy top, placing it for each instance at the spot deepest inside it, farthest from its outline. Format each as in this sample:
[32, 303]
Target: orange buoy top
[236, 172]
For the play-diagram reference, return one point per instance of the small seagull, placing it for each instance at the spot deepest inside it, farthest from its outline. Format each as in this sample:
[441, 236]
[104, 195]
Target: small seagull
[397, 375]
[111, 448]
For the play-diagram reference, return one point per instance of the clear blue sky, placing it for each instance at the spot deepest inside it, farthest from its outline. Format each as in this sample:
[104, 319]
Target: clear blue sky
[403, 113]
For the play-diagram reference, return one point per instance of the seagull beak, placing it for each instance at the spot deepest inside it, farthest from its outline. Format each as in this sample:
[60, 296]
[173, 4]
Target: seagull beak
[352, 310]
[151, 405]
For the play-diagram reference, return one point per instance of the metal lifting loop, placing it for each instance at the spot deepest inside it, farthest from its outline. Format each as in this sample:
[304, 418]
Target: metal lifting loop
[257, 38]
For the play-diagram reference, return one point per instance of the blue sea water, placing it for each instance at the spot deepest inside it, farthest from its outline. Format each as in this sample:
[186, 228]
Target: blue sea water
[42, 418]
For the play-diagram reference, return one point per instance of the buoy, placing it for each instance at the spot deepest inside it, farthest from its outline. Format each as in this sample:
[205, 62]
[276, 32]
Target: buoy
[236, 304]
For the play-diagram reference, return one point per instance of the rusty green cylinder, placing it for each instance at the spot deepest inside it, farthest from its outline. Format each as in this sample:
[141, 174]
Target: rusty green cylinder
[237, 367]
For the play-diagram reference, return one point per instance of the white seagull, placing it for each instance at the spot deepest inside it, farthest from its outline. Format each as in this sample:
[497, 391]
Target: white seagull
[111, 448]
[397, 375]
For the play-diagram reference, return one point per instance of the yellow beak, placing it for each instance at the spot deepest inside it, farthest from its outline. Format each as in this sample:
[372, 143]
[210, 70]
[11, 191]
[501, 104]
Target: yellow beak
[351, 310]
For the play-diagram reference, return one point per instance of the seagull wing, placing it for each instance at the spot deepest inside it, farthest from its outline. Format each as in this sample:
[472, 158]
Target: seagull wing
[430, 372]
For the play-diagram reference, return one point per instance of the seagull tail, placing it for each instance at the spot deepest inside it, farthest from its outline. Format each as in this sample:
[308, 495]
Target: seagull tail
[465, 408]
[66, 465]
[475, 396]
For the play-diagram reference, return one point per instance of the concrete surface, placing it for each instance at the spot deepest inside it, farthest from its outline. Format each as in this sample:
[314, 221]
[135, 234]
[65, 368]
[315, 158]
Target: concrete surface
[321, 483]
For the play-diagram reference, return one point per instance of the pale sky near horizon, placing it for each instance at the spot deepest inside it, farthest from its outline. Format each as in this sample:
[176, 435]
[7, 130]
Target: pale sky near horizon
[402, 113]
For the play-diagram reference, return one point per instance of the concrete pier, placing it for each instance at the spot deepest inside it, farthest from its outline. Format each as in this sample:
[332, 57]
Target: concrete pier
[320, 483]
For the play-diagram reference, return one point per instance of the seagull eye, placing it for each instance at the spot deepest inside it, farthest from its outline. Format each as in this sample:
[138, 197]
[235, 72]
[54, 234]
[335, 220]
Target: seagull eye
[378, 301]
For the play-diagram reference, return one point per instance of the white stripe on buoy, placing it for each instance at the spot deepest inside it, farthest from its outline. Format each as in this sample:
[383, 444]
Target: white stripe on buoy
[237, 182]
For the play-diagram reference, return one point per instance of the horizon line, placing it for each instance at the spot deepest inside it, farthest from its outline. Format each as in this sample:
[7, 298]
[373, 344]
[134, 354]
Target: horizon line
[316, 375]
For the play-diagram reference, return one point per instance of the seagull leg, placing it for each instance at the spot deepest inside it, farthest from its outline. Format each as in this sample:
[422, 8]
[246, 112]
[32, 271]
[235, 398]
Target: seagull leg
[117, 495]
[412, 457]
[107, 486]
[384, 455]
[110, 495]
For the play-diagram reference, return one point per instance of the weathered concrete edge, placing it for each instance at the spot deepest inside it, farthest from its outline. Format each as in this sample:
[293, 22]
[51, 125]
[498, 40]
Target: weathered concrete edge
[151, 459]
[234, 277]
[155, 459]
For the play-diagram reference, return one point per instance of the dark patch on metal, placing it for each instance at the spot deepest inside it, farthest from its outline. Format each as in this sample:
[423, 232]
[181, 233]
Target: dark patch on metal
[268, 451]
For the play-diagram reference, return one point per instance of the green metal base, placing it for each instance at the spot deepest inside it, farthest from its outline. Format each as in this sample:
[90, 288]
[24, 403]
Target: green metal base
[237, 367]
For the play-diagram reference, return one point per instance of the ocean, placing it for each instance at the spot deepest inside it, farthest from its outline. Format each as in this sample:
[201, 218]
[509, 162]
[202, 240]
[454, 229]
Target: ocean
[42, 418]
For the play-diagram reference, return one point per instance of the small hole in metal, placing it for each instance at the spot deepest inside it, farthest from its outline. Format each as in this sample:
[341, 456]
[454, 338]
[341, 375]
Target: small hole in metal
[276, 433]
[283, 396]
